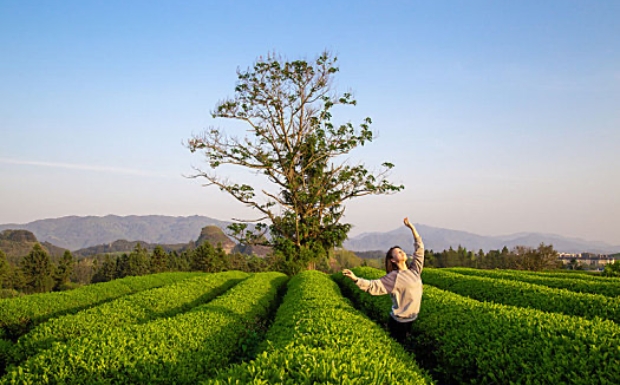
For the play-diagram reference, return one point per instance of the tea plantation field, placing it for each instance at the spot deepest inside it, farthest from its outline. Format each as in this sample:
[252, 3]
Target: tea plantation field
[481, 327]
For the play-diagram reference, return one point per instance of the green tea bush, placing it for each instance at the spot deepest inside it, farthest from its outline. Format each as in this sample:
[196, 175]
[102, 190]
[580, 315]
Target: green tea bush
[19, 315]
[523, 294]
[179, 350]
[605, 286]
[577, 274]
[318, 338]
[466, 341]
[128, 310]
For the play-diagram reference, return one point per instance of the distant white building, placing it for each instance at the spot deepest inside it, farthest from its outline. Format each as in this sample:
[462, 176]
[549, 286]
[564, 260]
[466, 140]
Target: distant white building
[588, 259]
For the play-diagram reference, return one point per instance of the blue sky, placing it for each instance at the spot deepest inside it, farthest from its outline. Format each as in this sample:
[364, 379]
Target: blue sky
[501, 117]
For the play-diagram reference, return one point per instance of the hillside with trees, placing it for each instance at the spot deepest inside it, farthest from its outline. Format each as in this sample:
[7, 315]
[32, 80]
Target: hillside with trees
[17, 243]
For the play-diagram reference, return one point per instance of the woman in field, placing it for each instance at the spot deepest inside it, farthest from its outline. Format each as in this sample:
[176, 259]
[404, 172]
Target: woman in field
[402, 282]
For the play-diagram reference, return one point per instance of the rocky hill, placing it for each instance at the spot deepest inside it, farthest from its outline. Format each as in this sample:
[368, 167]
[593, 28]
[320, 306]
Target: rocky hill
[18, 243]
[214, 235]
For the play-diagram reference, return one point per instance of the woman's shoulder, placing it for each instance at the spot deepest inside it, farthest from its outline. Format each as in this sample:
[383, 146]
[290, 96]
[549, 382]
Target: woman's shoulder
[393, 273]
[412, 271]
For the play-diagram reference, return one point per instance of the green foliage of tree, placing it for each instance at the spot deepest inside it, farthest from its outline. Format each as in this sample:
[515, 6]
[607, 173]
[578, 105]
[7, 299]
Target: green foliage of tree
[290, 259]
[83, 271]
[342, 258]
[159, 260]
[237, 261]
[543, 257]
[497, 260]
[612, 269]
[5, 269]
[107, 271]
[221, 258]
[204, 258]
[459, 257]
[294, 143]
[256, 264]
[136, 263]
[38, 270]
[376, 263]
[10, 278]
[122, 266]
[62, 275]
[520, 258]
[178, 262]
[15, 279]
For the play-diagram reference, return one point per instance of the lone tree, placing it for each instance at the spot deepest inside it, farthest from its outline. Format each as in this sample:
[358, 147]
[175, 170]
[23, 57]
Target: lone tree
[292, 141]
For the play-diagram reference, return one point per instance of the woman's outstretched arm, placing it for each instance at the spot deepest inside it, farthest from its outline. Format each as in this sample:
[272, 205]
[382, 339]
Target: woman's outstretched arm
[418, 255]
[380, 286]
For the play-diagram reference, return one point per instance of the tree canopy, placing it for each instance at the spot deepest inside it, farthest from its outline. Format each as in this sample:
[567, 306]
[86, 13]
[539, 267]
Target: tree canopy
[293, 142]
[38, 270]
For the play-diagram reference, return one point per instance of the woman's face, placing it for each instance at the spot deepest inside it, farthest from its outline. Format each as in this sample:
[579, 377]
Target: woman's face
[398, 255]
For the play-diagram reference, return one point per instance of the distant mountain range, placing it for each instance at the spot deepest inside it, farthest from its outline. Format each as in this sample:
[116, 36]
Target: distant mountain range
[438, 239]
[75, 233]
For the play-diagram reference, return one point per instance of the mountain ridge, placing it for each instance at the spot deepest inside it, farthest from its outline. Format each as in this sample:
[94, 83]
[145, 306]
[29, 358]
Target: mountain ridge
[79, 232]
[76, 232]
[438, 239]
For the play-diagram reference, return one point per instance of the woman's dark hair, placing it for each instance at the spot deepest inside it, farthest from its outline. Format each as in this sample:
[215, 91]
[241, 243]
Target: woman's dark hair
[389, 265]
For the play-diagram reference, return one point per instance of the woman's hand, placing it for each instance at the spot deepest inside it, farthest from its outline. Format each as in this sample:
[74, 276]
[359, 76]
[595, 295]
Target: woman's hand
[407, 223]
[412, 227]
[348, 273]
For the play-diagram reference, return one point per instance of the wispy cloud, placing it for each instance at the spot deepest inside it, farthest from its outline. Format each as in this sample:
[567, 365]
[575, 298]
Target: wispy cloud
[82, 167]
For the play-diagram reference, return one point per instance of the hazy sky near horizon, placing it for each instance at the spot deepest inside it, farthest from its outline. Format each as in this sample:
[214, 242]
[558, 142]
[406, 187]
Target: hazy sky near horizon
[501, 117]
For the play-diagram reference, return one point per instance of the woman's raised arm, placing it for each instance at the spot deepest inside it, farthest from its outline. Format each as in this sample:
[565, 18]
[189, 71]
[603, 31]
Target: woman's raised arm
[418, 255]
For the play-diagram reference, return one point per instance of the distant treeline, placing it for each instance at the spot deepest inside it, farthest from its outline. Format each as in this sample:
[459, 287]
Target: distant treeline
[37, 272]
[544, 257]
[520, 258]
